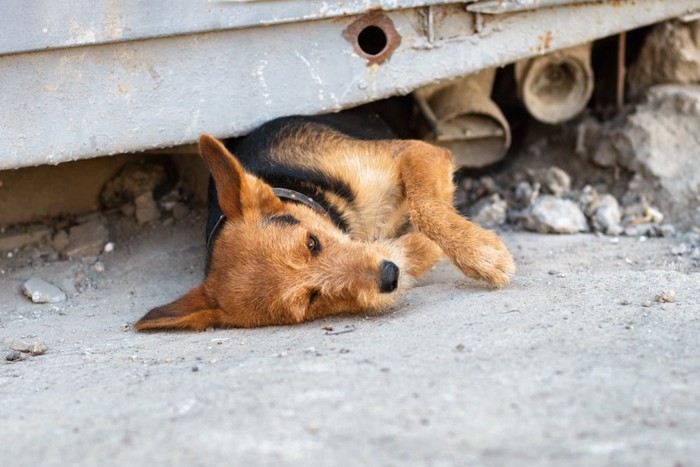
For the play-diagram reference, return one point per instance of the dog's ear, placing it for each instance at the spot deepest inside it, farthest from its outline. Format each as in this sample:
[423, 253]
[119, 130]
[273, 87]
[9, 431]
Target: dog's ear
[191, 311]
[237, 190]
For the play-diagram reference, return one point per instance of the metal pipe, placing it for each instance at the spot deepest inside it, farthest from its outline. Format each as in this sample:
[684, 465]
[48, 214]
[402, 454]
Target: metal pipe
[556, 87]
[463, 118]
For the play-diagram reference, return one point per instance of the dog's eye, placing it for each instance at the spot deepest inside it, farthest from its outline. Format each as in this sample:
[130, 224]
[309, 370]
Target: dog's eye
[313, 244]
[314, 295]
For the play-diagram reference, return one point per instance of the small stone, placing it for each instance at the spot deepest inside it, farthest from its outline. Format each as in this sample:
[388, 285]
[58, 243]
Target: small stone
[60, 240]
[666, 296]
[665, 230]
[109, 247]
[87, 239]
[606, 155]
[631, 231]
[40, 291]
[681, 249]
[13, 356]
[552, 179]
[605, 215]
[32, 347]
[624, 302]
[489, 212]
[554, 215]
[133, 180]
[99, 266]
[146, 208]
[525, 194]
[646, 303]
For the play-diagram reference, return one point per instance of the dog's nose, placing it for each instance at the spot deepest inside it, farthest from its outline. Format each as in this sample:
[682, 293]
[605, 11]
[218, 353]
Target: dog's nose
[388, 277]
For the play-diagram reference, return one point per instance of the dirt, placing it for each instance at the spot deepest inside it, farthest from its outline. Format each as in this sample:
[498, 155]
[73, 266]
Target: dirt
[577, 362]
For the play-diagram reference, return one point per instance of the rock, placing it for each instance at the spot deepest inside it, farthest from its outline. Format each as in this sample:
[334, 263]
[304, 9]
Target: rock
[14, 239]
[13, 356]
[87, 239]
[146, 208]
[489, 212]
[605, 215]
[33, 347]
[665, 230]
[133, 180]
[60, 241]
[658, 142]
[666, 296]
[549, 214]
[553, 180]
[670, 54]
[40, 291]
[525, 194]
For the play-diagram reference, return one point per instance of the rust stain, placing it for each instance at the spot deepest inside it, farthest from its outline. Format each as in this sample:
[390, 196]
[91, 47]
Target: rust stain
[545, 41]
[373, 19]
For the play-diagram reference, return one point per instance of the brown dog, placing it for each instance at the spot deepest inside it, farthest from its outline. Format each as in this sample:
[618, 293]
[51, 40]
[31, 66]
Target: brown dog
[321, 222]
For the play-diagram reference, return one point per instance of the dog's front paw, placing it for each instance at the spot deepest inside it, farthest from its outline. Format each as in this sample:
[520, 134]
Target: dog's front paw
[486, 257]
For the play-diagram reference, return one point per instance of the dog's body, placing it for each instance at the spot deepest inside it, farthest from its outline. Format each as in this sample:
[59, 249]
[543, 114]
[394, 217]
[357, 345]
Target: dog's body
[320, 219]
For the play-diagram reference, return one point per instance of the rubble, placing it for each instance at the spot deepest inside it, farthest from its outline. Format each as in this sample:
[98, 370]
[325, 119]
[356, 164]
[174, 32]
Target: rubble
[146, 208]
[490, 211]
[553, 180]
[87, 239]
[35, 347]
[658, 142]
[16, 238]
[666, 296]
[40, 291]
[15, 356]
[604, 213]
[670, 54]
[549, 214]
[132, 181]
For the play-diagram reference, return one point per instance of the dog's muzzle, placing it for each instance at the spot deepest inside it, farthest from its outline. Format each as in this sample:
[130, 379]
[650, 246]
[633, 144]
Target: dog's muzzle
[388, 277]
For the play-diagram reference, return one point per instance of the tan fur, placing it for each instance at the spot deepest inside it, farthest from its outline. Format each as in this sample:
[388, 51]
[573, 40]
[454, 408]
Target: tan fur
[263, 273]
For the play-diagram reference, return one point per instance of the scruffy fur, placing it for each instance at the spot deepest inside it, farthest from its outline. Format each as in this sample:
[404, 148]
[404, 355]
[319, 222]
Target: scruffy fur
[276, 262]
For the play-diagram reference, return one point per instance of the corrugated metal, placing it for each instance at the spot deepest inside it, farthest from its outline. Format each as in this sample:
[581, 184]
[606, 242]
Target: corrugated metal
[81, 102]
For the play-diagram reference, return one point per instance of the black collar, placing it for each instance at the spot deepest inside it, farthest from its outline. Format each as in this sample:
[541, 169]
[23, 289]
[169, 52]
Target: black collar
[282, 193]
[285, 193]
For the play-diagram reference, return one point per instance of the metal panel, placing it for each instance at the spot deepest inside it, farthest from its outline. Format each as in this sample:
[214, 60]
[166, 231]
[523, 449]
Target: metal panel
[43, 24]
[82, 102]
[508, 6]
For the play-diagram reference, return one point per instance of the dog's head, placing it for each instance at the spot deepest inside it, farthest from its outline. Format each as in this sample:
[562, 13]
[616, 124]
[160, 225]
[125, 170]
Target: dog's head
[277, 262]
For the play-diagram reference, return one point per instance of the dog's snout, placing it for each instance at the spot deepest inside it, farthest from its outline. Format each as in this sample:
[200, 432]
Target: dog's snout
[388, 277]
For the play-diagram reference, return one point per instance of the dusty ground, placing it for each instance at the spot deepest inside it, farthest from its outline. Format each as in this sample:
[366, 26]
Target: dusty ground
[567, 366]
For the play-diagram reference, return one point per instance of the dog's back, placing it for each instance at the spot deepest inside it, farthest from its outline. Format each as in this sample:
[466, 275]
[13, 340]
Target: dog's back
[337, 160]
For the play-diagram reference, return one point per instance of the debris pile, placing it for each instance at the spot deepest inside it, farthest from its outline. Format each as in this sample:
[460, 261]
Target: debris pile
[144, 192]
[636, 175]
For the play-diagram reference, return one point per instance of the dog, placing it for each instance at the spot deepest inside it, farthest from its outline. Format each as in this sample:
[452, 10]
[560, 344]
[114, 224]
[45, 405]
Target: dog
[318, 216]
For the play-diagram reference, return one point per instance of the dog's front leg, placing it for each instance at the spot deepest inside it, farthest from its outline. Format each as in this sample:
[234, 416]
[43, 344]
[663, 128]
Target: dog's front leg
[426, 173]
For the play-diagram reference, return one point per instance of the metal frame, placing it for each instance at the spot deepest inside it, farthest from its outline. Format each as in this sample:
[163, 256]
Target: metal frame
[101, 94]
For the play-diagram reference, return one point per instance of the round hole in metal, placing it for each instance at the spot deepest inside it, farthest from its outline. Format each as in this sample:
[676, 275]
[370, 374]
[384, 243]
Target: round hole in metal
[372, 40]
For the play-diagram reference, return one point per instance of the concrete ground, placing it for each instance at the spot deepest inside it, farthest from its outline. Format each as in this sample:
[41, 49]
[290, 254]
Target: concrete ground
[575, 363]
